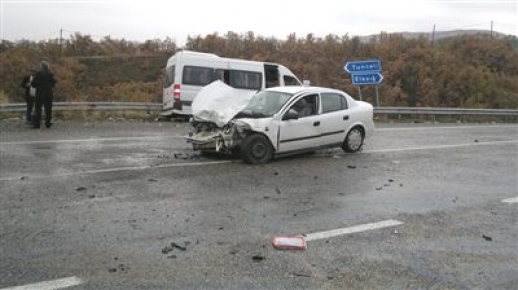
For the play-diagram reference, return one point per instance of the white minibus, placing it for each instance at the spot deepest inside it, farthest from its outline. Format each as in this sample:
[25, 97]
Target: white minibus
[188, 71]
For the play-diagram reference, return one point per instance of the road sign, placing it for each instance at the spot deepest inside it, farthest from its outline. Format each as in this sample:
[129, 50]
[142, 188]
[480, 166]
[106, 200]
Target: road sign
[354, 67]
[367, 78]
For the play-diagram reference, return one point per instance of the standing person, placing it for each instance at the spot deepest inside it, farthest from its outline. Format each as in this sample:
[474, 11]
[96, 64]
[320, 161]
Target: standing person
[44, 83]
[30, 94]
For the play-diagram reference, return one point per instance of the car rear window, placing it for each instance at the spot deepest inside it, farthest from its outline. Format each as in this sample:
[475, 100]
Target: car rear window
[333, 102]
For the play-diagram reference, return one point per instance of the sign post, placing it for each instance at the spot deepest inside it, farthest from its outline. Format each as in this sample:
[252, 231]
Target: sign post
[365, 73]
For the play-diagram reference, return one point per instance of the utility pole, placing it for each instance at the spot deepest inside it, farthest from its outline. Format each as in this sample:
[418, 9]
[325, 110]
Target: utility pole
[491, 29]
[60, 41]
[433, 35]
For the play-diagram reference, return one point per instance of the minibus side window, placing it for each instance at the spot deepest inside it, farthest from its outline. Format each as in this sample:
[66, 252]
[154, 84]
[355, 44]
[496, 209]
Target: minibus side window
[197, 75]
[245, 80]
[169, 76]
[222, 75]
[291, 81]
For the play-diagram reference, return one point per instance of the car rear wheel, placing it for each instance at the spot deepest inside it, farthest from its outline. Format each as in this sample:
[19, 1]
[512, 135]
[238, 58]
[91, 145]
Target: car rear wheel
[256, 149]
[354, 140]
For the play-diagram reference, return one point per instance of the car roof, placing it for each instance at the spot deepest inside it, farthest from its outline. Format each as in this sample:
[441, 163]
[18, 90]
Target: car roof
[303, 89]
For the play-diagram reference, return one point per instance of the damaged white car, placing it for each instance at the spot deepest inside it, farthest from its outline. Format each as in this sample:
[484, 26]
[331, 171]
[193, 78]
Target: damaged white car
[277, 121]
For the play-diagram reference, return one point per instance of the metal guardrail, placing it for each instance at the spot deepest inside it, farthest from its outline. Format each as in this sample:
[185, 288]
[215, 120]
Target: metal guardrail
[443, 111]
[86, 106]
[102, 106]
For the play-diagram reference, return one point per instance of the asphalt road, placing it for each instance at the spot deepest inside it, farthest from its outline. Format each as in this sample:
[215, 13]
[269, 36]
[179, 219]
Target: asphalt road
[128, 205]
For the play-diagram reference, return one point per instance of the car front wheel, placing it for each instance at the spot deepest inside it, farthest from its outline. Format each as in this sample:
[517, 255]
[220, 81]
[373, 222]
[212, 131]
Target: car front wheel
[256, 149]
[353, 141]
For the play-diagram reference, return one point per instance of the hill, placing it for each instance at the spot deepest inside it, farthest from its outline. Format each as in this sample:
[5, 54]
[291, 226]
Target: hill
[440, 35]
[467, 69]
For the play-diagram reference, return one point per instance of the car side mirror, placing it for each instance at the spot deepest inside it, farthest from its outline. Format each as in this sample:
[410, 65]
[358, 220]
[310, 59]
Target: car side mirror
[291, 115]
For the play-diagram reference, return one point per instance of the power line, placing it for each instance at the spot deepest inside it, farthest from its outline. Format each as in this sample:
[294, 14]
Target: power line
[488, 23]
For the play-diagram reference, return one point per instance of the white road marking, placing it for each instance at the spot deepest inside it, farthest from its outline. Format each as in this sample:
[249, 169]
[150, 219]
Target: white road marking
[116, 169]
[435, 147]
[510, 200]
[102, 139]
[350, 230]
[49, 285]
[446, 127]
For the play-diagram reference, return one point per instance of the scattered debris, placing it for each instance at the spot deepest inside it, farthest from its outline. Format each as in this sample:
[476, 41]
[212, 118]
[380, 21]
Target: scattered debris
[341, 193]
[391, 180]
[24, 178]
[258, 258]
[175, 245]
[351, 166]
[476, 141]
[152, 180]
[91, 196]
[80, 188]
[454, 200]
[278, 190]
[167, 249]
[172, 257]
[315, 177]
[181, 156]
[289, 243]
[276, 173]
[164, 156]
[112, 270]
[379, 188]
[266, 197]
[301, 275]
[487, 238]
[337, 156]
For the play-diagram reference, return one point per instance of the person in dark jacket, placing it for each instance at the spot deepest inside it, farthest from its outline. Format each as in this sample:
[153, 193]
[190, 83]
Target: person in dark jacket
[29, 98]
[44, 83]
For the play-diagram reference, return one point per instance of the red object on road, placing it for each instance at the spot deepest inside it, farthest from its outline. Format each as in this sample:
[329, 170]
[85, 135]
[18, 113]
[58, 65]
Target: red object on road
[289, 243]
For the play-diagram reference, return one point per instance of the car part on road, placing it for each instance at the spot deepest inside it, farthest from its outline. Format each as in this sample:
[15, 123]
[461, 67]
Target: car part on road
[289, 243]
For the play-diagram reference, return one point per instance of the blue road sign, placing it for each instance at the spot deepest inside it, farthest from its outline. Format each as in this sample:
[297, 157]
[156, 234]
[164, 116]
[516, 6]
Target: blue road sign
[367, 78]
[353, 67]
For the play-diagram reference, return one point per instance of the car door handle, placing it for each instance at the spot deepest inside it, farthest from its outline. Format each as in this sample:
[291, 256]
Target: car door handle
[346, 118]
[316, 124]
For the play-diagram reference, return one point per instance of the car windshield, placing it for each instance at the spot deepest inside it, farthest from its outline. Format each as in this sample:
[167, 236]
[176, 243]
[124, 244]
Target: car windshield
[264, 104]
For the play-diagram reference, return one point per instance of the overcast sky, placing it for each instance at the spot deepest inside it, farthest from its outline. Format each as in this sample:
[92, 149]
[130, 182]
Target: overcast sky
[149, 19]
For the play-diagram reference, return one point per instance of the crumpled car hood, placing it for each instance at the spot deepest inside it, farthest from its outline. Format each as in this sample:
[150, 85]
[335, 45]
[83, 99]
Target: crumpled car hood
[219, 103]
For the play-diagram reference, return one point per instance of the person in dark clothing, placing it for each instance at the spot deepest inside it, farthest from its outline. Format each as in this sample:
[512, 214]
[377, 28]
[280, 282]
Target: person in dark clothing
[29, 98]
[44, 83]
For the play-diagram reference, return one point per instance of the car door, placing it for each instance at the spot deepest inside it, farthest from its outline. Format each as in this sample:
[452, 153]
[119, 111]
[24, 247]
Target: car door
[301, 133]
[335, 118]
